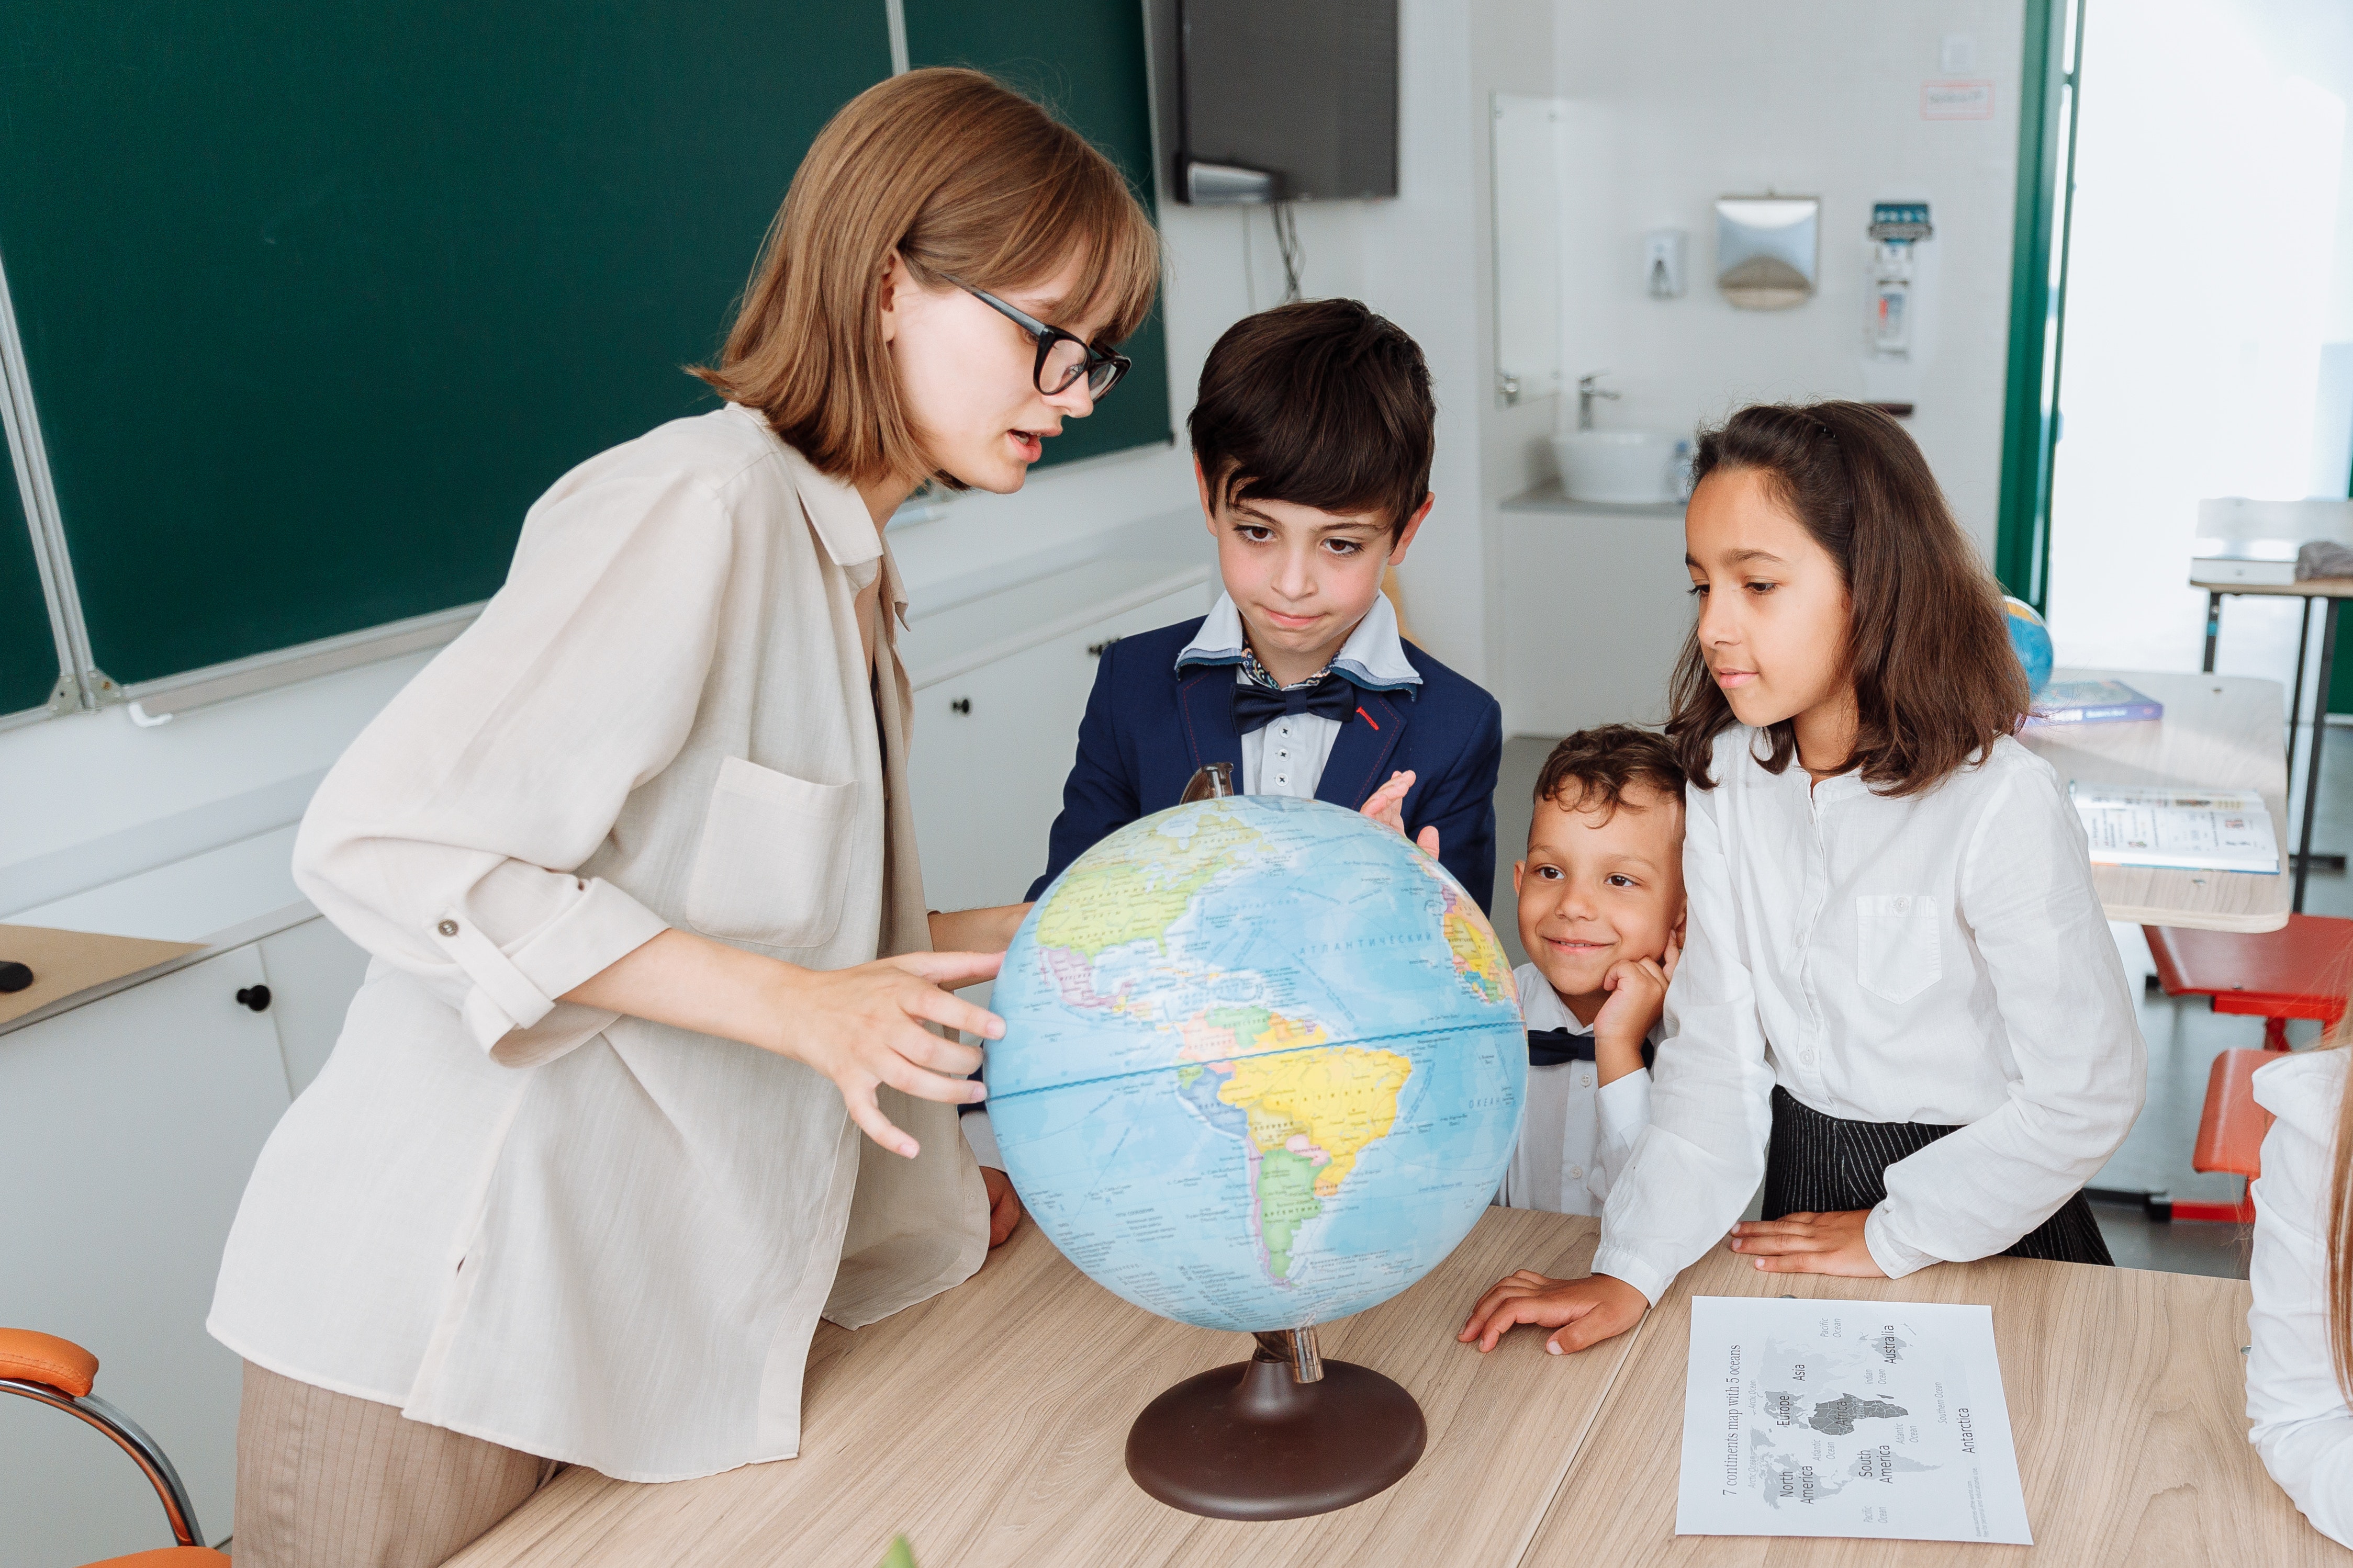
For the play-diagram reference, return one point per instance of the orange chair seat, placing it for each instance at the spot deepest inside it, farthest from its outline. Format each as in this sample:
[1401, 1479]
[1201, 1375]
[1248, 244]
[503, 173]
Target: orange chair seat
[169, 1557]
[2231, 1128]
[2300, 971]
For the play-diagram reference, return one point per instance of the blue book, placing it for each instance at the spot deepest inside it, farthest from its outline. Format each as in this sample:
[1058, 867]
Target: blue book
[2093, 702]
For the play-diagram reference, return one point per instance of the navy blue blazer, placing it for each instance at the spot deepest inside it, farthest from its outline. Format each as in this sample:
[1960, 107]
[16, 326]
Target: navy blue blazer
[1149, 727]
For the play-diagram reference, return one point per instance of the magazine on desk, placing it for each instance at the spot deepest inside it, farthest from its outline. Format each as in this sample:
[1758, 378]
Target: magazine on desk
[2177, 829]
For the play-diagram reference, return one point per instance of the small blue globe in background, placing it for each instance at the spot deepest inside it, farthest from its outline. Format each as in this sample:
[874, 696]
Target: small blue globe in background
[2031, 640]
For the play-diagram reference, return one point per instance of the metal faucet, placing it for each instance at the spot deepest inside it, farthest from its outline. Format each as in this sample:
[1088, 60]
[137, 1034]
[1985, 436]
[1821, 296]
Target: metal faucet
[1586, 391]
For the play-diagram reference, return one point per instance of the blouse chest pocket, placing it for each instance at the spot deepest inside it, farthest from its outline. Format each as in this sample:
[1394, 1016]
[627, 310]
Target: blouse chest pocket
[1898, 944]
[774, 857]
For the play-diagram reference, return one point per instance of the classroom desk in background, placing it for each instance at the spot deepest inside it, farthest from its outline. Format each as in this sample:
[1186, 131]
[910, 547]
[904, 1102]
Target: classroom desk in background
[989, 1424]
[2220, 732]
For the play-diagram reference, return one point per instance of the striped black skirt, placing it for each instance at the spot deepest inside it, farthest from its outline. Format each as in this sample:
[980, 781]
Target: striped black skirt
[1825, 1164]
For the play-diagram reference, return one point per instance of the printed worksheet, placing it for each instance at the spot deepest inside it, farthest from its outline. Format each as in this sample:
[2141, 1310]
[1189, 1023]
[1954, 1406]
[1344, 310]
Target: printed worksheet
[2190, 830]
[1872, 1418]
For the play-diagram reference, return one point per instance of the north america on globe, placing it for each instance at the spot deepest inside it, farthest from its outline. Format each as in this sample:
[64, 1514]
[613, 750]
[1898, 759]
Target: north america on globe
[1263, 1063]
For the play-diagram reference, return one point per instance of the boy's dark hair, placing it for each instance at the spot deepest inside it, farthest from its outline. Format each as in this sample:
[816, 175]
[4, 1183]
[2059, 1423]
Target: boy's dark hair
[1319, 402]
[1593, 768]
[1935, 680]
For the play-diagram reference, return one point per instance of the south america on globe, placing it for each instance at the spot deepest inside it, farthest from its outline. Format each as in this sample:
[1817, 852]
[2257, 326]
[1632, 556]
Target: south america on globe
[1264, 1064]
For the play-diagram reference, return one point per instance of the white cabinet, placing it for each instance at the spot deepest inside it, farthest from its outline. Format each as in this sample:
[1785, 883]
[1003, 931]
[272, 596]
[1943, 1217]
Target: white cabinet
[993, 742]
[1597, 605]
[315, 972]
[131, 1124]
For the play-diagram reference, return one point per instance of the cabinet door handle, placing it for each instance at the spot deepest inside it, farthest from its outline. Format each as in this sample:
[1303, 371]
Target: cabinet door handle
[256, 997]
[961, 705]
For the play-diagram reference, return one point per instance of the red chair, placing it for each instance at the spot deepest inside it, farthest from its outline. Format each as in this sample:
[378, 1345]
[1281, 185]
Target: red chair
[60, 1374]
[2231, 1134]
[2299, 971]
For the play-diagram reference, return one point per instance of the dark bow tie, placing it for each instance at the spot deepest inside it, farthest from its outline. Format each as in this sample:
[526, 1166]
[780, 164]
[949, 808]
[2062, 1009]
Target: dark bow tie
[1550, 1048]
[1327, 696]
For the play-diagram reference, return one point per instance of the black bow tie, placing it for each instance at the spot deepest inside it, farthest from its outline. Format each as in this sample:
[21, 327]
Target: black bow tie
[1550, 1048]
[1327, 696]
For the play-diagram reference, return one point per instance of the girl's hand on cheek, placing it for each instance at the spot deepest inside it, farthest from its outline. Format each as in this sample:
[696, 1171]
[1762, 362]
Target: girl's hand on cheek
[1808, 1244]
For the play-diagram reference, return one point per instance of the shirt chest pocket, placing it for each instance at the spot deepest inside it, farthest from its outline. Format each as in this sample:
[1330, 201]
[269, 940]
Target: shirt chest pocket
[774, 852]
[1899, 945]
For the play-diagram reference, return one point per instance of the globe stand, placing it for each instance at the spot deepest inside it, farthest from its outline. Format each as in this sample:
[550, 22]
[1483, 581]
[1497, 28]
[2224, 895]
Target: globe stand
[1282, 1436]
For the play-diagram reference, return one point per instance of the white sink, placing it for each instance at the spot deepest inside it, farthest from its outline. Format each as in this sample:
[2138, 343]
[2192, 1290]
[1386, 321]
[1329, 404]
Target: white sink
[1631, 467]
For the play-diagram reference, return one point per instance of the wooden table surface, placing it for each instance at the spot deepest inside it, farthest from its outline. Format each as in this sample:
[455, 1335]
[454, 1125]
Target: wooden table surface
[2127, 1393]
[989, 1425]
[2220, 732]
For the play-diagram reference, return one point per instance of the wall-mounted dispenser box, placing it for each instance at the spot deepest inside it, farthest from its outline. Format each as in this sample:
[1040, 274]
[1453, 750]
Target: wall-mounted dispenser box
[1768, 250]
[1664, 253]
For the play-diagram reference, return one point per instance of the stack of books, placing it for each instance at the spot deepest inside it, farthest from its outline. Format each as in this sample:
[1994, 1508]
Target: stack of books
[2093, 702]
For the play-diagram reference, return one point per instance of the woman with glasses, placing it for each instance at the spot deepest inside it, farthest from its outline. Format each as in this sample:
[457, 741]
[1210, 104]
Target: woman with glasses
[636, 861]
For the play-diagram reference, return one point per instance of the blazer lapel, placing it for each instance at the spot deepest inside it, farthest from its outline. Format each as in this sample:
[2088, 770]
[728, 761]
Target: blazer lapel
[1359, 763]
[1205, 702]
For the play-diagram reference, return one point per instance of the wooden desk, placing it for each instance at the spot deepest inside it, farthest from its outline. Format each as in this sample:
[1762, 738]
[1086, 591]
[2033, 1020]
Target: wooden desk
[2220, 732]
[2126, 1390]
[990, 1424]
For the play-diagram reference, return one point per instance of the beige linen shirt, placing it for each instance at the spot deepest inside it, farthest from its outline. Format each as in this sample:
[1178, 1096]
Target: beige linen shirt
[563, 1230]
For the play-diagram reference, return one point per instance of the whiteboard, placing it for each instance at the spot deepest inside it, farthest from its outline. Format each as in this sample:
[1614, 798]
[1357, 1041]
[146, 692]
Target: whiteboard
[1528, 162]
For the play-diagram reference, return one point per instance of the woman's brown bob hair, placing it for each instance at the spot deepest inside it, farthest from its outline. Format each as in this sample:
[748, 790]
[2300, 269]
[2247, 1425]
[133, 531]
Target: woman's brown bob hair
[1935, 680]
[964, 178]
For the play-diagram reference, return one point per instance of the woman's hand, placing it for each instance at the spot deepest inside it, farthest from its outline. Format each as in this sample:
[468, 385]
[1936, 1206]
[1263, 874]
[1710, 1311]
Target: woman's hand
[1808, 1244]
[862, 1027]
[1004, 1204]
[1386, 806]
[1586, 1311]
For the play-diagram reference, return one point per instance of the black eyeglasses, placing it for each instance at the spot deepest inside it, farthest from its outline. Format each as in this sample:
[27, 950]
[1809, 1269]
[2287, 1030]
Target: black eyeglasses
[1062, 357]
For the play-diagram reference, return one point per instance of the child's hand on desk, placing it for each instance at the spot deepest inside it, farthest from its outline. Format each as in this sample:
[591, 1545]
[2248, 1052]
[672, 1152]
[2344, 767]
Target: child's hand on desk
[1586, 1311]
[1808, 1244]
[1004, 1204]
[1386, 806]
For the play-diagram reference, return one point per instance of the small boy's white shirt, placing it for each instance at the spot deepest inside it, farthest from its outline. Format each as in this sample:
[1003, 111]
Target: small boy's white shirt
[1576, 1132]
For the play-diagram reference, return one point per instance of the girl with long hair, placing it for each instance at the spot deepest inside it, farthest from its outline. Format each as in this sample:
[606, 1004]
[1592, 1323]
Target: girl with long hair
[636, 861]
[1899, 1005]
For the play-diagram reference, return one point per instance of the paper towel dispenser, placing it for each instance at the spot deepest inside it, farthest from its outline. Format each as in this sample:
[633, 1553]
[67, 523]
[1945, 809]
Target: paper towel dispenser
[1768, 250]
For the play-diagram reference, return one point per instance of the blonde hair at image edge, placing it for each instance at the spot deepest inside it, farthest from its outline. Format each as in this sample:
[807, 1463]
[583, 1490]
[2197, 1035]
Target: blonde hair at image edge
[966, 180]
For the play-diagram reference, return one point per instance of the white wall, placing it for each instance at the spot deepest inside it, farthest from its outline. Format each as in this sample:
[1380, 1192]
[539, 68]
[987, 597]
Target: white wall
[1681, 101]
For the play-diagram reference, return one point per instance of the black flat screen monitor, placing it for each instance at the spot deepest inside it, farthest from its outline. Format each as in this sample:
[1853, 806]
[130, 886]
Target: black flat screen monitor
[1304, 89]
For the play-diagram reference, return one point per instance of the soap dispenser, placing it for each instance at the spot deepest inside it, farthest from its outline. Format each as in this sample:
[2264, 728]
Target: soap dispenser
[1662, 262]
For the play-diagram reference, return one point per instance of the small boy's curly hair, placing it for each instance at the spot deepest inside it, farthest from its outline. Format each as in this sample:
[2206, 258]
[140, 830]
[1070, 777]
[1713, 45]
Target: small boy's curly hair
[1593, 768]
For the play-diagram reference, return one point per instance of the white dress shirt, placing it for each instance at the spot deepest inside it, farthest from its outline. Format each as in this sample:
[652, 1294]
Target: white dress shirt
[2302, 1426]
[1287, 756]
[584, 1236]
[1937, 958]
[1574, 1136]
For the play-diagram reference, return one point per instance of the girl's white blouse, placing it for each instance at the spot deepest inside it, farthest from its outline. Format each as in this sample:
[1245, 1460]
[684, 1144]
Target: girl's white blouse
[580, 1234]
[2301, 1425]
[1940, 958]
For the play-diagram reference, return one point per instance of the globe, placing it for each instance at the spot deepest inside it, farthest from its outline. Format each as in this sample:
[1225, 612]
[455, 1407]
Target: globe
[1263, 1064]
[2031, 640]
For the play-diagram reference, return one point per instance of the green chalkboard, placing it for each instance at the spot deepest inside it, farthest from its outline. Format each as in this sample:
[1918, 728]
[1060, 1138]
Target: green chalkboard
[29, 654]
[1084, 59]
[317, 295]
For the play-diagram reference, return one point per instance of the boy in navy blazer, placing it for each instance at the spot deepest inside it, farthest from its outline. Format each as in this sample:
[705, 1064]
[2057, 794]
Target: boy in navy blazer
[1312, 443]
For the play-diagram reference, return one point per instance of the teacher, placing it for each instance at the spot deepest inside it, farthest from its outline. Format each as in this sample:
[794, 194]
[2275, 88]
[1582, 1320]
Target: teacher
[635, 859]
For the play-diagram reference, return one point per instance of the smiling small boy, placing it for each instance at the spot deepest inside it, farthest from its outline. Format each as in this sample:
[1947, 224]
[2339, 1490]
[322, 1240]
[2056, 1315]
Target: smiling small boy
[1313, 436]
[1601, 910]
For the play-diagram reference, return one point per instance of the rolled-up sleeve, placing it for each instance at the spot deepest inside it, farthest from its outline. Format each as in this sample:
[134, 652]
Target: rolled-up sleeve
[2025, 894]
[445, 839]
[1710, 1092]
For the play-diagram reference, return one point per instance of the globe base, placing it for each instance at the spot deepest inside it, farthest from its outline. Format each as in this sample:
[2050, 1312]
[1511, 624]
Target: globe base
[1249, 1442]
